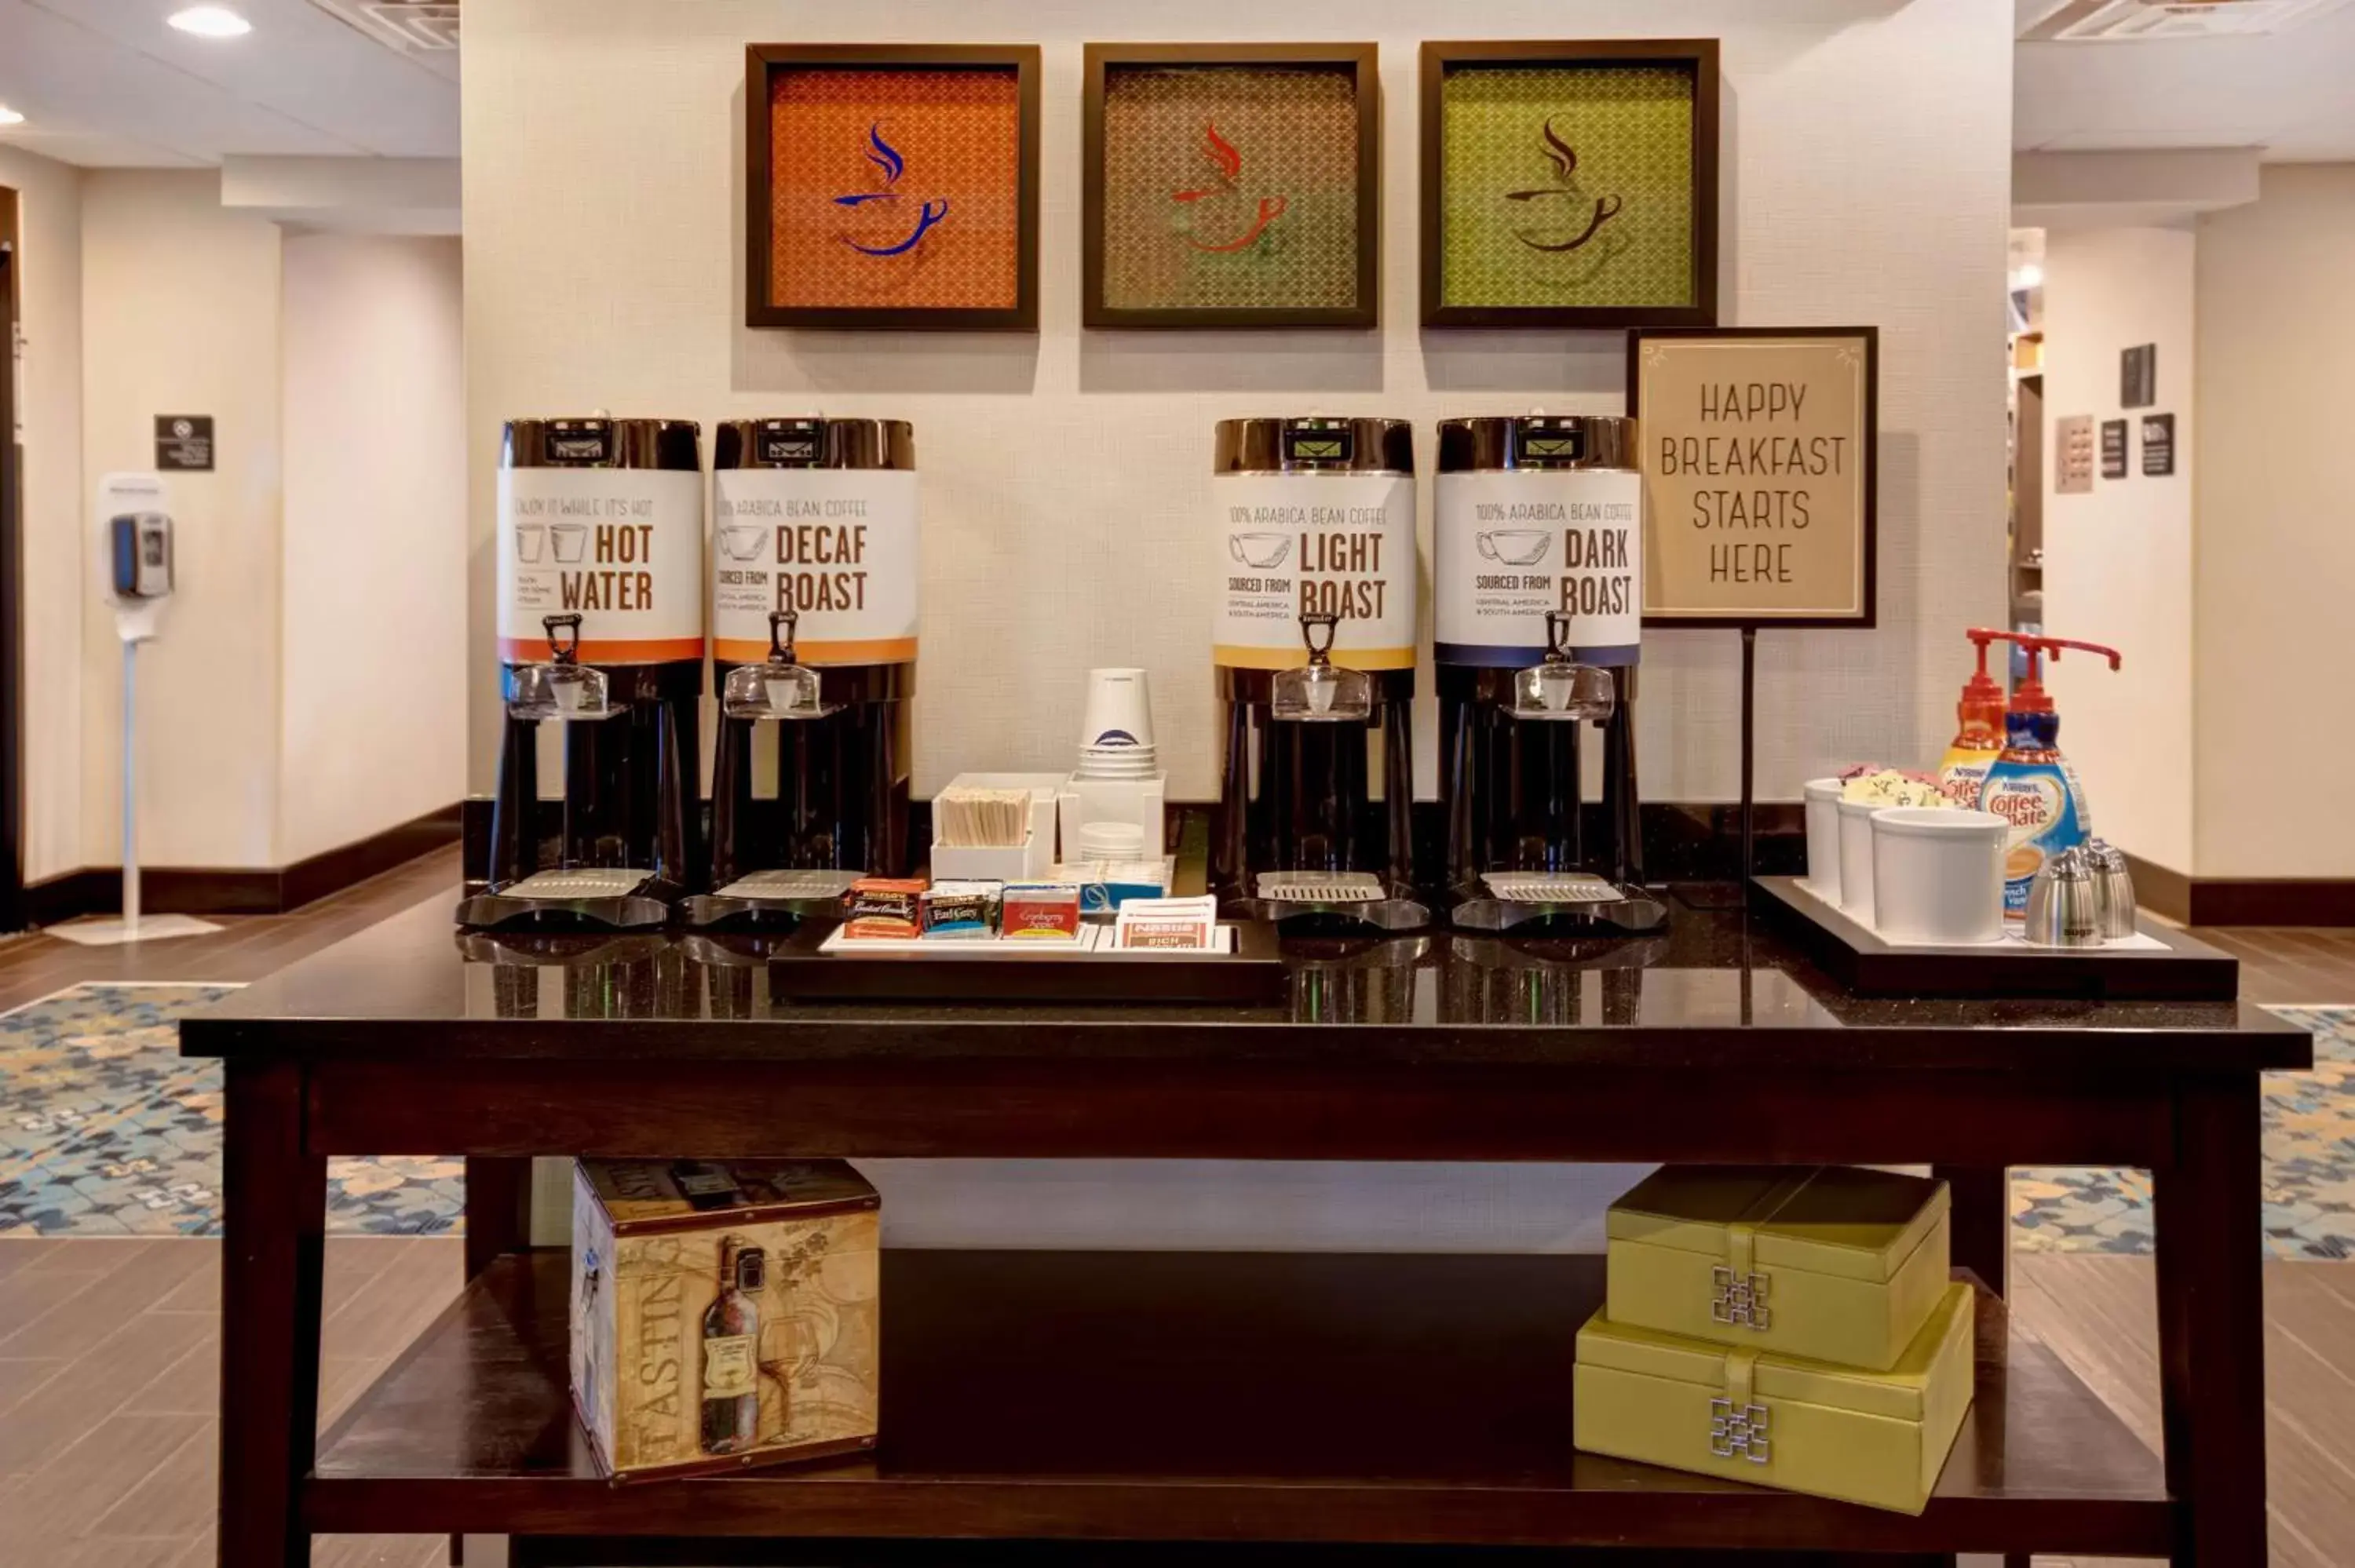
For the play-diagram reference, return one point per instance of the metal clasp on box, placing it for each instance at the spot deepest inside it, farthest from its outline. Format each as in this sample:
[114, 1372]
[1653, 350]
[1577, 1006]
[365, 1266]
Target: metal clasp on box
[1739, 1429]
[1741, 1299]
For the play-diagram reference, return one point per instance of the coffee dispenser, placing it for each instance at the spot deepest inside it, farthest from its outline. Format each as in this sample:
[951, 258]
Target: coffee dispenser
[1314, 634]
[600, 630]
[1537, 553]
[814, 594]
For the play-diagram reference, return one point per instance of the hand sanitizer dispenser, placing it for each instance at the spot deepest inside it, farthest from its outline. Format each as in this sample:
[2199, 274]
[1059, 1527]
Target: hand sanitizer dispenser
[142, 554]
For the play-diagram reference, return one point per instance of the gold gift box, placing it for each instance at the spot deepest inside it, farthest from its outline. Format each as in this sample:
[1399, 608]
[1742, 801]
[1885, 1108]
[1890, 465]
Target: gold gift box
[1874, 1437]
[1832, 1262]
[724, 1312]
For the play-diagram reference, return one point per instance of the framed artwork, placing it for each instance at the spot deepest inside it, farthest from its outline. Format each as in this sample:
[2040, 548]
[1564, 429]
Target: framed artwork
[891, 185]
[1231, 186]
[1570, 184]
[1760, 452]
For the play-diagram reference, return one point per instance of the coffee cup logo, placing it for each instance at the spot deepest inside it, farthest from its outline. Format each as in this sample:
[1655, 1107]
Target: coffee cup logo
[1217, 217]
[742, 540]
[1263, 552]
[1514, 547]
[883, 209]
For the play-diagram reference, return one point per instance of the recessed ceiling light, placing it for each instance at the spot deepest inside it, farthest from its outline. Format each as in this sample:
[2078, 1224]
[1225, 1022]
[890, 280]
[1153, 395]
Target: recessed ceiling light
[211, 22]
[9, 116]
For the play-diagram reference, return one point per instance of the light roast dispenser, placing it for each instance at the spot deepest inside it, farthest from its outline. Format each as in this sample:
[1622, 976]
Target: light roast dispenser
[1313, 644]
[600, 630]
[1536, 551]
[814, 595]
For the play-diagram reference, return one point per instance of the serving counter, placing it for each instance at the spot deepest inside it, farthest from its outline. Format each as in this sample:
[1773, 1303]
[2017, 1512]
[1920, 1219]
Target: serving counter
[1109, 1406]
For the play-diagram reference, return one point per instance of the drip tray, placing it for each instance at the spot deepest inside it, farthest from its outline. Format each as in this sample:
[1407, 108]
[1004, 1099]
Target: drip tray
[614, 897]
[778, 898]
[1551, 887]
[1291, 900]
[1339, 888]
[1519, 900]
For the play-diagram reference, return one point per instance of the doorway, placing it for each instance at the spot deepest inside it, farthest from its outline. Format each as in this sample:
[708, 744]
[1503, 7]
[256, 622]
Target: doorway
[11, 591]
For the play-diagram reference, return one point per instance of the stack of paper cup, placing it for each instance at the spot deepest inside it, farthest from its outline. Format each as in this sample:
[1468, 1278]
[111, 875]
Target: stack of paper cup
[1110, 841]
[1116, 741]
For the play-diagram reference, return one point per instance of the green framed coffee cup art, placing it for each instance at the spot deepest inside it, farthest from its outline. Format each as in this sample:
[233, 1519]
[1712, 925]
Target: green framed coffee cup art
[1570, 184]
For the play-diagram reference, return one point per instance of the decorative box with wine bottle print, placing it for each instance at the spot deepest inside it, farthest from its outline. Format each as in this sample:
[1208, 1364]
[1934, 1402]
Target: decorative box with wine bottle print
[724, 1312]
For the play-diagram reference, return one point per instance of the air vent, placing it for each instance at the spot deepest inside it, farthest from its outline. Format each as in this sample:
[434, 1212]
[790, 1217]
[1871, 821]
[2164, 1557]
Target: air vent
[413, 26]
[2136, 21]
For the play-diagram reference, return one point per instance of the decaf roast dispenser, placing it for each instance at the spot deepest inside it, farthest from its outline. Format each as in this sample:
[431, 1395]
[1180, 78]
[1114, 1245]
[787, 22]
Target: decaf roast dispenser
[600, 630]
[813, 588]
[1313, 546]
[1537, 552]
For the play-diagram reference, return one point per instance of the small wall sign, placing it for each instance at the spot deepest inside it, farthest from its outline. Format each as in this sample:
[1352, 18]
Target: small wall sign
[2073, 455]
[2138, 376]
[1758, 451]
[183, 443]
[2113, 449]
[2158, 444]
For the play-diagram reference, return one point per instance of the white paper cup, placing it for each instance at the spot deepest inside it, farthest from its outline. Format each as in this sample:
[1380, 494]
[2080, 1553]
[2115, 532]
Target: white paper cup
[1856, 859]
[1120, 709]
[1937, 875]
[1823, 838]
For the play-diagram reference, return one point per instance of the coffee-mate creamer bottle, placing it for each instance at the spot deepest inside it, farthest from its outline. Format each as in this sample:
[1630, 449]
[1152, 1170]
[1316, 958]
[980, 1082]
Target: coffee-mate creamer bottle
[2030, 785]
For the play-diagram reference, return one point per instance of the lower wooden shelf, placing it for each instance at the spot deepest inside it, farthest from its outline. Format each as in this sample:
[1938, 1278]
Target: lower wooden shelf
[1188, 1396]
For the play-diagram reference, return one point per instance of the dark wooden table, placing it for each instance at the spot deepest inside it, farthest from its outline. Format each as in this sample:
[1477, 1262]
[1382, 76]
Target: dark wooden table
[1071, 1404]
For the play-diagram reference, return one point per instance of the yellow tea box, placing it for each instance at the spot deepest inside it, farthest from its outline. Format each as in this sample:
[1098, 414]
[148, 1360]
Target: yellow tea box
[1834, 1262]
[1874, 1437]
[724, 1312]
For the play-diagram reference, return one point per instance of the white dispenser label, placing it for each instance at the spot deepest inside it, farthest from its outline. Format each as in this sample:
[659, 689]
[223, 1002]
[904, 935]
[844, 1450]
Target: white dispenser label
[836, 545]
[1508, 547]
[622, 547]
[1289, 545]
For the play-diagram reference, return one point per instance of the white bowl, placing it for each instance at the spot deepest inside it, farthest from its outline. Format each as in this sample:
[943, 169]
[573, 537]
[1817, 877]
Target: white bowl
[1856, 859]
[1937, 875]
[1823, 838]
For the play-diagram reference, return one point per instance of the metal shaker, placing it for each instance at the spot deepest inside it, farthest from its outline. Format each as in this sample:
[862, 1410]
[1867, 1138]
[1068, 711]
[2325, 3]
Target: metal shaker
[2064, 903]
[2114, 888]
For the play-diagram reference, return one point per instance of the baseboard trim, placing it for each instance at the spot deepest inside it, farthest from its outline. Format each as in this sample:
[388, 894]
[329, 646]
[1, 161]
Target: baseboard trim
[226, 890]
[2243, 900]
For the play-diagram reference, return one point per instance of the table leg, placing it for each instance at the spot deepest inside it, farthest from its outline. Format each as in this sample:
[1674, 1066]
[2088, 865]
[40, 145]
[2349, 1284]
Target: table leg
[1981, 1220]
[274, 1217]
[2211, 1334]
[498, 1210]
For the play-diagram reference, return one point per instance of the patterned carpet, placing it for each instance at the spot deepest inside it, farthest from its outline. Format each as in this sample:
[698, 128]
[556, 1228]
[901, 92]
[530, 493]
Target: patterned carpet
[105, 1130]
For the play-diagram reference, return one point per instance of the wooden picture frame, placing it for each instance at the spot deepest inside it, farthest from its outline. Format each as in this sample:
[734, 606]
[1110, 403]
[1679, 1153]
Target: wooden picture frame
[1104, 65]
[1696, 58]
[766, 63]
[1864, 467]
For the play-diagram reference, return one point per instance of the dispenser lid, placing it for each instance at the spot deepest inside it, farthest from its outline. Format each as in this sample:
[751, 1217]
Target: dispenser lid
[812, 440]
[1314, 444]
[598, 440]
[1545, 442]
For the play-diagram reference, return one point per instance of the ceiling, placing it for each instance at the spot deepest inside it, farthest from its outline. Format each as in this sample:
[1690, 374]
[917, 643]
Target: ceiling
[2285, 92]
[105, 83]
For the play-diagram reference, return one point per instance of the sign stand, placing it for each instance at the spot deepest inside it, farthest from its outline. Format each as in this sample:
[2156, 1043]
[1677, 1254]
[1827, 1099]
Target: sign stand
[1761, 444]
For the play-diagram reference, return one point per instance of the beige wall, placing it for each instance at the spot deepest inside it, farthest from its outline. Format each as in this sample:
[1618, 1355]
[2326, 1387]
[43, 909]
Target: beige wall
[49, 286]
[1066, 473]
[181, 317]
[2276, 551]
[1065, 486]
[2117, 562]
[375, 538]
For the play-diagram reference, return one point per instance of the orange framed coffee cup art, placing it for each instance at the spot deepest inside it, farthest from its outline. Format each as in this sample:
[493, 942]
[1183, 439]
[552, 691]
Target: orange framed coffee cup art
[891, 185]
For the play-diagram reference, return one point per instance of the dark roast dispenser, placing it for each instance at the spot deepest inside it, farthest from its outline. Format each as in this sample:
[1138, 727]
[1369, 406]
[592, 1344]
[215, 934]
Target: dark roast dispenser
[1314, 642]
[1538, 616]
[814, 595]
[600, 630]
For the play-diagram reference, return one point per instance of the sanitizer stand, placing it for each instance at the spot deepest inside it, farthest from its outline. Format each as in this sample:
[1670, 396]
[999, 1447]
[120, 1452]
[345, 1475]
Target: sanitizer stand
[135, 538]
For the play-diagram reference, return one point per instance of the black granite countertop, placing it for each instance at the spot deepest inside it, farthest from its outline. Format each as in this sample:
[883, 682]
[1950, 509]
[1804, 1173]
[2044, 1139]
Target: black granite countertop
[1718, 989]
